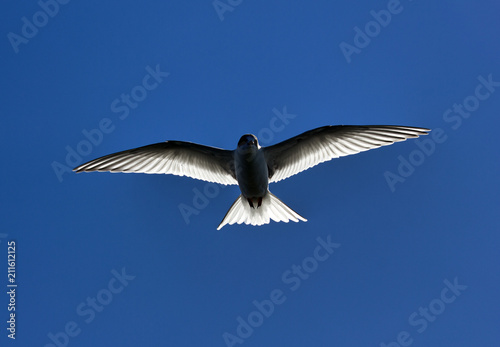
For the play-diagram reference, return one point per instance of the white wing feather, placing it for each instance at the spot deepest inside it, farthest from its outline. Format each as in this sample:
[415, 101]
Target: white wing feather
[171, 157]
[315, 146]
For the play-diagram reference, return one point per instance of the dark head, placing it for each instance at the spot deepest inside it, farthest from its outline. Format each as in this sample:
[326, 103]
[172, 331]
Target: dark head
[248, 141]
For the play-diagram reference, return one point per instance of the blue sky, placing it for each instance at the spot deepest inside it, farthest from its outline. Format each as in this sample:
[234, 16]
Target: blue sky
[401, 244]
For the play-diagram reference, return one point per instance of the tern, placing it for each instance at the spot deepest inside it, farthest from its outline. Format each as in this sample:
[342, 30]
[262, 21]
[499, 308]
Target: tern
[251, 166]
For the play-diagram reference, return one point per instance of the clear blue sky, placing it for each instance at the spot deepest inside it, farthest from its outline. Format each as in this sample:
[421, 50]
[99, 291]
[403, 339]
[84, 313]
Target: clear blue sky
[109, 260]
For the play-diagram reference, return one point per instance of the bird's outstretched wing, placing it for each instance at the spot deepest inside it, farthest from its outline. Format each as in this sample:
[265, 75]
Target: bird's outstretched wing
[315, 146]
[171, 157]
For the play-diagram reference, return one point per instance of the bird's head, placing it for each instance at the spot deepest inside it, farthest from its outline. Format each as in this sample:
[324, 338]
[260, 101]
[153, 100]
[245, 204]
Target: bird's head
[248, 142]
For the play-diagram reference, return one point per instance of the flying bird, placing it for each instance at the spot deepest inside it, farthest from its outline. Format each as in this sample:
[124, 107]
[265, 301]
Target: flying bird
[251, 166]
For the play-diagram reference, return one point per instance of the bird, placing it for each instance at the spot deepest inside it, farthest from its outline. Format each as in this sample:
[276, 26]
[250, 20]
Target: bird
[253, 167]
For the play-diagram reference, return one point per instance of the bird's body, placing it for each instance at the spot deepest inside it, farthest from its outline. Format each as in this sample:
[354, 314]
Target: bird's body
[252, 167]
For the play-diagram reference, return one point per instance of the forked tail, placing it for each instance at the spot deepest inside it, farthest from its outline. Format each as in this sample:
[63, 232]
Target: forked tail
[271, 208]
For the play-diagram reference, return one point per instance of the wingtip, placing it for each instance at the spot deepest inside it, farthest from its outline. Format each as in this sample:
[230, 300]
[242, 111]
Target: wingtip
[424, 130]
[78, 169]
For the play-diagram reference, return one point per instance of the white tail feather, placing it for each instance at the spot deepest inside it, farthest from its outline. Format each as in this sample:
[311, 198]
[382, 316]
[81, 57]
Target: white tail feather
[271, 208]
